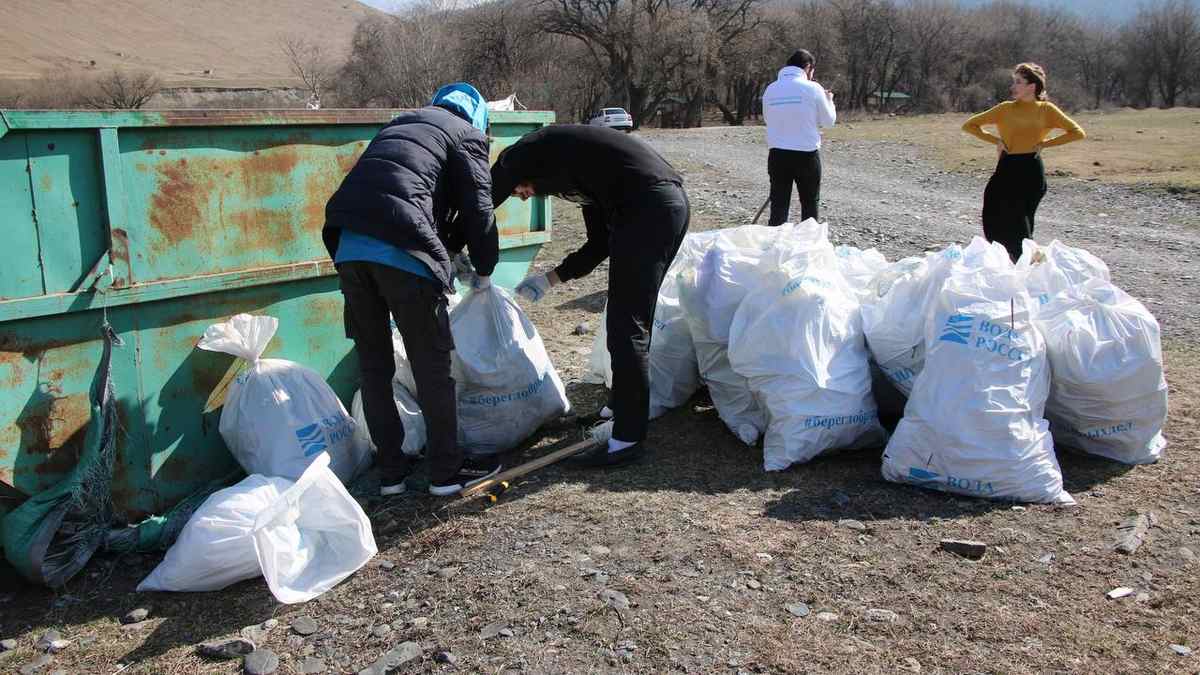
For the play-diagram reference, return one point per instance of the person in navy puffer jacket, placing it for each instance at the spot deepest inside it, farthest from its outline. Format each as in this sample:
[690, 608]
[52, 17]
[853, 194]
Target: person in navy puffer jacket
[420, 191]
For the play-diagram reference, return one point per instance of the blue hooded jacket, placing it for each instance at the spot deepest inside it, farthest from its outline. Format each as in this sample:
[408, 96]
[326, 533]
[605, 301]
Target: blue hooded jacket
[465, 101]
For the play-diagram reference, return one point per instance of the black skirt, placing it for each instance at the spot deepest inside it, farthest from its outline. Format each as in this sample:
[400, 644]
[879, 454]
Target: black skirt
[1011, 199]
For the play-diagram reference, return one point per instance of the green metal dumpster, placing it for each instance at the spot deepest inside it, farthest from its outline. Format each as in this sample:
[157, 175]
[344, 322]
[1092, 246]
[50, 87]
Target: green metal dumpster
[164, 223]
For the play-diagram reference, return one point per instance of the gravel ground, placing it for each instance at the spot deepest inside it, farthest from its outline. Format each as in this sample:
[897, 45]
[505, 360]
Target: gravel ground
[695, 560]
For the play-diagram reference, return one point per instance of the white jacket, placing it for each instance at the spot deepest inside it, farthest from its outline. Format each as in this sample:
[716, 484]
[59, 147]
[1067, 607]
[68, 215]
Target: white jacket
[795, 109]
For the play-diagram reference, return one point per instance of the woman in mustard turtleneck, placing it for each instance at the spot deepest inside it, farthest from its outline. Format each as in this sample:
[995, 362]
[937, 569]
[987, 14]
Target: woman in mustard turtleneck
[1019, 182]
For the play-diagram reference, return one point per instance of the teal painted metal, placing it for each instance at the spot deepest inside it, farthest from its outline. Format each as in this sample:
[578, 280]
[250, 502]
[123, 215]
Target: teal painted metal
[167, 222]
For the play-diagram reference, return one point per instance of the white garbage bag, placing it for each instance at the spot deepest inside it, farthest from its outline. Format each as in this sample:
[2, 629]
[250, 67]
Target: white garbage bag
[410, 417]
[506, 385]
[1108, 395]
[798, 338]
[216, 548]
[303, 536]
[311, 537]
[599, 361]
[404, 373]
[860, 267]
[974, 424]
[894, 313]
[278, 415]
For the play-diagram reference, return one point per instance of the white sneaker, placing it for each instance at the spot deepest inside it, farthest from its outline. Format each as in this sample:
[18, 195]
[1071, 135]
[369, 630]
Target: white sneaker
[392, 490]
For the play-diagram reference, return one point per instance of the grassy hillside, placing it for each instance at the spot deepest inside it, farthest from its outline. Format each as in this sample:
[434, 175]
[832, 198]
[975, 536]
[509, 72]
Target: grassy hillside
[236, 42]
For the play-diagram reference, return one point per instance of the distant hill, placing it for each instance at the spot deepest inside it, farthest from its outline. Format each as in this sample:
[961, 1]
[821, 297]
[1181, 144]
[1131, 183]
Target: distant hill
[235, 41]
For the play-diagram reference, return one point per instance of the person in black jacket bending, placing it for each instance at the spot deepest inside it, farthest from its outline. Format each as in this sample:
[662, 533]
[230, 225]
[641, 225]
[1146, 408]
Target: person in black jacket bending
[636, 214]
[390, 233]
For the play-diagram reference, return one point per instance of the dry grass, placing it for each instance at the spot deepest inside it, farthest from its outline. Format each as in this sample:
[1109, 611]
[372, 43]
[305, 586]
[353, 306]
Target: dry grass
[1159, 148]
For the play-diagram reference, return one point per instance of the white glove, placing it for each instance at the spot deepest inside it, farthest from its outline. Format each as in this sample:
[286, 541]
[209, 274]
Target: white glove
[479, 283]
[463, 270]
[534, 287]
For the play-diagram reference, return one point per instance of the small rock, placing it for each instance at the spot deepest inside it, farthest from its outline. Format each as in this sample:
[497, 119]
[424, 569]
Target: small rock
[36, 665]
[420, 623]
[1015, 508]
[882, 615]
[445, 657]
[582, 329]
[912, 665]
[256, 633]
[233, 648]
[1142, 597]
[765, 557]
[136, 616]
[312, 665]
[827, 617]
[8, 645]
[387, 564]
[559, 588]
[304, 625]
[798, 609]
[1119, 592]
[391, 661]
[448, 572]
[381, 631]
[615, 599]
[260, 662]
[599, 550]
[1131, 533]
[46, 642]
[492, 630]
[506, 632]
[967, 549]
[753, 584]
[852, 524]
[1187, 554]
[270, 624]
[1046, 559]
[1182, 650]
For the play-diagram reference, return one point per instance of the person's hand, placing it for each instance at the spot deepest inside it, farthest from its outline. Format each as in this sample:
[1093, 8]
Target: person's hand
[534, 287]
[479, 283]
[829, 94]
[1037, 149]
[1001, 149]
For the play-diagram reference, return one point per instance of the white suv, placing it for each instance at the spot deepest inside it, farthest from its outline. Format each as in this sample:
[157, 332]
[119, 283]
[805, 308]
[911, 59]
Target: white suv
[614, 118]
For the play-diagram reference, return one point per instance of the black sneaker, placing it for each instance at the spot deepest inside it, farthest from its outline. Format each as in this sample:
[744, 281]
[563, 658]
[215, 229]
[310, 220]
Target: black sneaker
[473, 471]
[392, 478]
[600, 456]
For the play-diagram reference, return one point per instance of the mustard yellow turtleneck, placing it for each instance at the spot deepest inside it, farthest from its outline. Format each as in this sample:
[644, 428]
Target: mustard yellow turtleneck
[1024, 124]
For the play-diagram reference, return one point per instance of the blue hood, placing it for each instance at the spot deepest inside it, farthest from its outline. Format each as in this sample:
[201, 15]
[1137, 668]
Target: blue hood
[465, 101]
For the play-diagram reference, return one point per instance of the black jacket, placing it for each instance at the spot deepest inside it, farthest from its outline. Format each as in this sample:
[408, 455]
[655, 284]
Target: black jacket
[419, 170]
[599, 168]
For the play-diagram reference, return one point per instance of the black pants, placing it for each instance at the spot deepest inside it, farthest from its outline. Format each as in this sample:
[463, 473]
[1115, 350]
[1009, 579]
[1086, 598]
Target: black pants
[1010, 200]
[793, 166]
[642, 244]
[374, 293]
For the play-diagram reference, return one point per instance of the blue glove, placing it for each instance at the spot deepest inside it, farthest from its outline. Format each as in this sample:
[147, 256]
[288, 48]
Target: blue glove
[534, 287]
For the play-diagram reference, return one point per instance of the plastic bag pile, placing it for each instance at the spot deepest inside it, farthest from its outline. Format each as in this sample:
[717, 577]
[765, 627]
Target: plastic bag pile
[291, 519]
[999, 362]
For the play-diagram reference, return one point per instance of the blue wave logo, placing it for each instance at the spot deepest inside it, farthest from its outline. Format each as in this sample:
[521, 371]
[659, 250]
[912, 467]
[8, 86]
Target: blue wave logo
[922, 477]
[311, 439]
[958, 329]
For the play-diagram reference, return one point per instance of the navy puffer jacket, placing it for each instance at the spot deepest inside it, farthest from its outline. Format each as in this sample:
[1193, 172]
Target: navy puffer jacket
[424, 185]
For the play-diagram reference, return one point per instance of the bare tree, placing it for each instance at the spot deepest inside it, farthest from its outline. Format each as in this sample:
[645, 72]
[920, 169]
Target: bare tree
[123, 90]
[1094, 49]
[308, 61]
[1169, 34]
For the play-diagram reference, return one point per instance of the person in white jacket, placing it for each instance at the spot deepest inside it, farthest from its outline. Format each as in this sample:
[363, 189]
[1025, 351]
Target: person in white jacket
[795, 108]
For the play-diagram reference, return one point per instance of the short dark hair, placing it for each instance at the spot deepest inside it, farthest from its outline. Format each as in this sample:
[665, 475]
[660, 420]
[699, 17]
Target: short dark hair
[802, 59]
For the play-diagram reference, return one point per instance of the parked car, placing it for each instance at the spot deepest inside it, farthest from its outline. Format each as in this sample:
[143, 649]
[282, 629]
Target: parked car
[614, 118]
